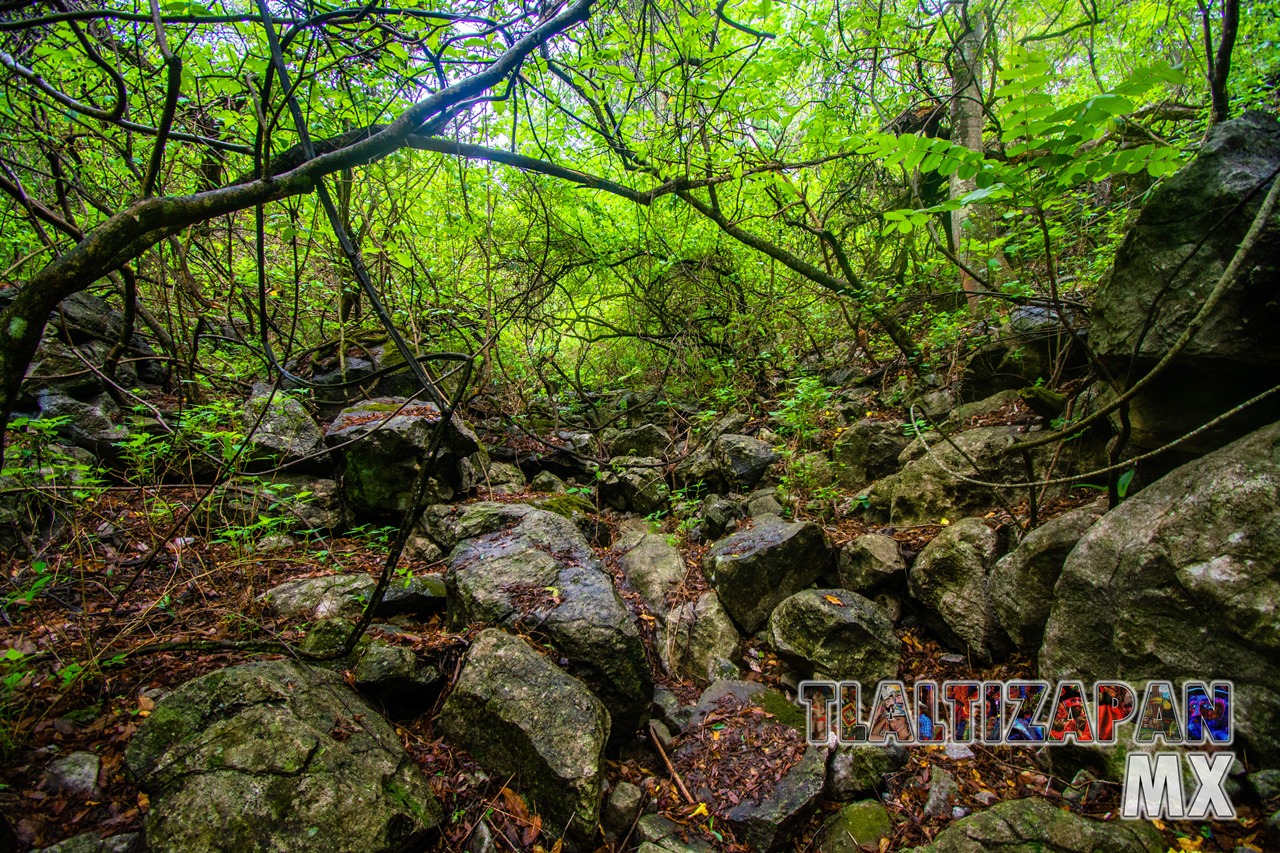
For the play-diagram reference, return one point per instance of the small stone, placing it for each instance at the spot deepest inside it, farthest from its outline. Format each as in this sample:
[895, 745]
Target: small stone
[958, 812]
[662, 735]
[274, 542]
[987, 798]
[958, 751]
[621, 808]
[76, 775]
[943, 791]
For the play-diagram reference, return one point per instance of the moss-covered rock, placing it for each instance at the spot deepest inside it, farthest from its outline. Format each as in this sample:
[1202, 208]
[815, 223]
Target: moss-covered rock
[838, 634]
[276, 755]
[520, 716]
[951, 579]
[855, 827]
[1034, 826]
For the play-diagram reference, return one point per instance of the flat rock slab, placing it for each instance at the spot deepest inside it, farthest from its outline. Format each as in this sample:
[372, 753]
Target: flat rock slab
[275, 755]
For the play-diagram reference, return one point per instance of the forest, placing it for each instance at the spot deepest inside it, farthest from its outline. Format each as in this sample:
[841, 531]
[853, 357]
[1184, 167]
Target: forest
[471, 425]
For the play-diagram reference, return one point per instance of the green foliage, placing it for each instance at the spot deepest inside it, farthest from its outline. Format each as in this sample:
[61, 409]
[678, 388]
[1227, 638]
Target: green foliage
[803, 412]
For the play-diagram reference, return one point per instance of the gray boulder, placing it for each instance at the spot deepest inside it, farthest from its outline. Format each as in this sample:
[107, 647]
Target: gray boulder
[871, 563]
[1155, 276]
[285, 431]
[1022, 581]
[1033, 825]
[755, 569]
[646, 440]
[88, 423]
[858, 770]
[276, 755]
[653, 566]
[698, 640]
[720, 515]
[382, 449]
[742, 460]
[539, 575]
[519, 715]
[637, 485]
[1180, 582]
[837, 633]
[323, 597]
[867, 451]
[950, 579]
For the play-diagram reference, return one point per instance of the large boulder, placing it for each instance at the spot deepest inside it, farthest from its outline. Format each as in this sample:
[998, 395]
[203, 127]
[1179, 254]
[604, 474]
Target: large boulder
[867, 450]
[927, 488]
[382, 443]
[950, 579]
[1158, 284]
[870, 563]
[521, 716]
[1180, 582]
[647, 440]
[1033, 825]
[637, 484]
[755, 569]
[91, 424]
[535, 573]
[743, 460]
[1022, 581]
[276, 755]
[838, 634]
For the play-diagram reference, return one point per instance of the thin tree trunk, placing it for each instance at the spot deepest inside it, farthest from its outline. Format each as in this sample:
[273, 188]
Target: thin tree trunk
[966, 126]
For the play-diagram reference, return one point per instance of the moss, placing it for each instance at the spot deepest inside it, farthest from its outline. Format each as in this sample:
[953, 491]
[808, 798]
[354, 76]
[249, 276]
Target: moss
[787, 713]
[567, 505]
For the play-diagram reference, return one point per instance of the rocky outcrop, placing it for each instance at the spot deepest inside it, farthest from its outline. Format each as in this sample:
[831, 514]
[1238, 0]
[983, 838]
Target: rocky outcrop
[1180, 582]
[950, 579]
[530, 570]
[276, 755]
[836, 634]
[1159, 282]
[382, 444]
[522, 717]
[755, 569]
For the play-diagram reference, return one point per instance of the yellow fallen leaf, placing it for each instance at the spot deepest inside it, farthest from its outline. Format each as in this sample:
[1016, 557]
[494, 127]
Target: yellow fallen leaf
[1158, 824]
[701, 810]
[834, 600]
[944, 522]
[1190, 843]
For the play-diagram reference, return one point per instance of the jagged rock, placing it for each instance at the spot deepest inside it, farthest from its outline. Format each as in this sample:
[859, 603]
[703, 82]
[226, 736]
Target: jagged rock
[753, 570]
[88, 422]
[521, 716]
[866, 451]
[531, 569]
[647, 440]
[1155, 267]
[698, 640]
[855, 827]
[944, 791]
[636, 485]
[1033, 825]
[720, 515]
[1180, 582]
[621, 809]
[837, 633]
[276, 755]
[858, 770]
[950, 578]
[55, 368]
[653, 566]
[392, 676]
[385, 450]
[502, 478]
[1022, 581]
[871, 563]
[285, 431]
[742, 460]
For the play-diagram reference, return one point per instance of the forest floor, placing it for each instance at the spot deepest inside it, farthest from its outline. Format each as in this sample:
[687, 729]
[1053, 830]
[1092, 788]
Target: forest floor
[100, 605]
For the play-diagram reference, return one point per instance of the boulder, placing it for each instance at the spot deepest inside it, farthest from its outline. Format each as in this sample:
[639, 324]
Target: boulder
[653, 566]
[720, 515]
[698, 640]
[755, 569]
[855, 827]
[647, 440]
[858, 770]
[382, 445]
[635, 484]
[502, 478]
[1180, 582]
[75, 775]
[926, 489]
[92, 842]
[1157, 285]
[742, 460]
[545, 481]
[283, 431]
[87, 423]
[308, 502]
[1033, 825]
[838, 634]
[323, 597]
[871, 563]
[539, 575]
[1022, 581]
[276, 755]
[950, 579]
[521, 716]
